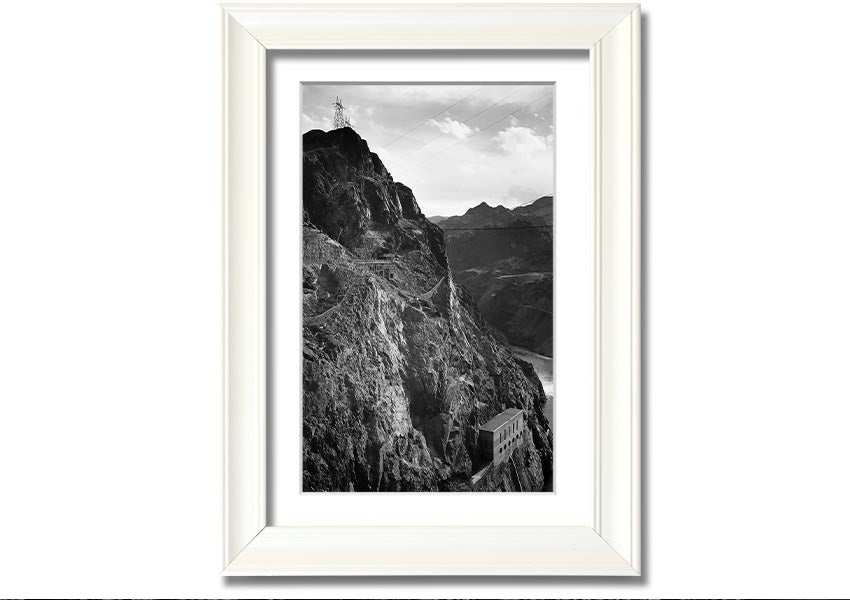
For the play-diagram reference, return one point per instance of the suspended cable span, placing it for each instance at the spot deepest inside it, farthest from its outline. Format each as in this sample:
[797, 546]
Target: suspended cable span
[433, 154]
[387, 145]
[494, 228]
[420, 146]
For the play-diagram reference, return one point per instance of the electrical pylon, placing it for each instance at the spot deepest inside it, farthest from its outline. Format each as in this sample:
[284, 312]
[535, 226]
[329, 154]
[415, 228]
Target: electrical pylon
[340, 118]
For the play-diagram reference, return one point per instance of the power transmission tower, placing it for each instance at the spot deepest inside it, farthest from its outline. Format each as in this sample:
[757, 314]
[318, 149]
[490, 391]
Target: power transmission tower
[340, 118]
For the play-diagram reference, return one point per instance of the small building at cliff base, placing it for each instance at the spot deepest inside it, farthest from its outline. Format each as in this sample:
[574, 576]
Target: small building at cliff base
[501, 434]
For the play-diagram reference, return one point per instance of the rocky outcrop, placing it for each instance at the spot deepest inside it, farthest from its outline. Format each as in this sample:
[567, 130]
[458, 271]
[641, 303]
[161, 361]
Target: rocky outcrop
[409, 207]
[346, 187]
[400, 368]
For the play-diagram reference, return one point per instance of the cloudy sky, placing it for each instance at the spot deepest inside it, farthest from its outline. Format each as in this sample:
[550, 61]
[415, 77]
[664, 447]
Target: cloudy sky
[455, 146]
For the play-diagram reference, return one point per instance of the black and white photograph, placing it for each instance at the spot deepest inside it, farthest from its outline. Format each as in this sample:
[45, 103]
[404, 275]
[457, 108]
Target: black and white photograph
[427, 280]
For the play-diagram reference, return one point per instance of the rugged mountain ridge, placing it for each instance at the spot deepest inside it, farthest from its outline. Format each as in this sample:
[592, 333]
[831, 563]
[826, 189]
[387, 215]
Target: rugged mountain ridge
[400, 368]
[504, 258]
[539, 212]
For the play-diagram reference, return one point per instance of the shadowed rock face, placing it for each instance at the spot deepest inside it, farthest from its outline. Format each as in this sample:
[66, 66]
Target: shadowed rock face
[519, 305]
[345, 185]
[409, 207]
[504, 258]
[400, 368]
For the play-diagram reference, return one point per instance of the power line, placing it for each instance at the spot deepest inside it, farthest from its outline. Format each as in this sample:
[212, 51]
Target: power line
[433, 154]
[410, 150]
[429, 119]
[494, 228]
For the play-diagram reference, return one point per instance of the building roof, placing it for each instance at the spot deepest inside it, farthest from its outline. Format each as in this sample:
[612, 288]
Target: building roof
[500, 419]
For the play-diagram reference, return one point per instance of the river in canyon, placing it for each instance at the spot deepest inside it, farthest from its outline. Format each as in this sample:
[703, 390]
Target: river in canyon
[543, 366]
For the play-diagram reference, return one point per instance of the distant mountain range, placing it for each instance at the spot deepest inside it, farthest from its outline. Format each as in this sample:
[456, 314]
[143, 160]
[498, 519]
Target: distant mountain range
[536, 213]
[504, 258]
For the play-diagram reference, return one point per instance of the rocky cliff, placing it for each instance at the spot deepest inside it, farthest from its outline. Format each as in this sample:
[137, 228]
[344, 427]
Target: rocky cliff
[400, 368]
[504, 258]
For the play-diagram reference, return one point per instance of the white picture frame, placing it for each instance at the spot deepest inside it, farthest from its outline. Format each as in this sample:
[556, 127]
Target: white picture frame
[612, 544]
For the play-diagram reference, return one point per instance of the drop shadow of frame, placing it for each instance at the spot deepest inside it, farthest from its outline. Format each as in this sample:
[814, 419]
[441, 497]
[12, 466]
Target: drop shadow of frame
[463, 581]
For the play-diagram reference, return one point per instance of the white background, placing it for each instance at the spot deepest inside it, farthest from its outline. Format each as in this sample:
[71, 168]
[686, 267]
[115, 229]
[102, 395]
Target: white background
[572, 500]
[110, 369]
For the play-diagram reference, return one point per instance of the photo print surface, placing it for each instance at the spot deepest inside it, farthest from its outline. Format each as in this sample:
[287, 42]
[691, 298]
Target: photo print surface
[427, 271]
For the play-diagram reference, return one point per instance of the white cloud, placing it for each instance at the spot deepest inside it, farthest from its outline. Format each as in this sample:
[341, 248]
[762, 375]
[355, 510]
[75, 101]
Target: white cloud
[520, 141]
[467, 174]
[454, 128]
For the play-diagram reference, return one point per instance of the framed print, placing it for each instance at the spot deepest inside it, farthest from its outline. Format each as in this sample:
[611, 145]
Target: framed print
[453, 388]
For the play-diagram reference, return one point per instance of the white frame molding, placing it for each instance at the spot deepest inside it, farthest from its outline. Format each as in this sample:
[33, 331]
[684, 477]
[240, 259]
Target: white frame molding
[611, 32]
